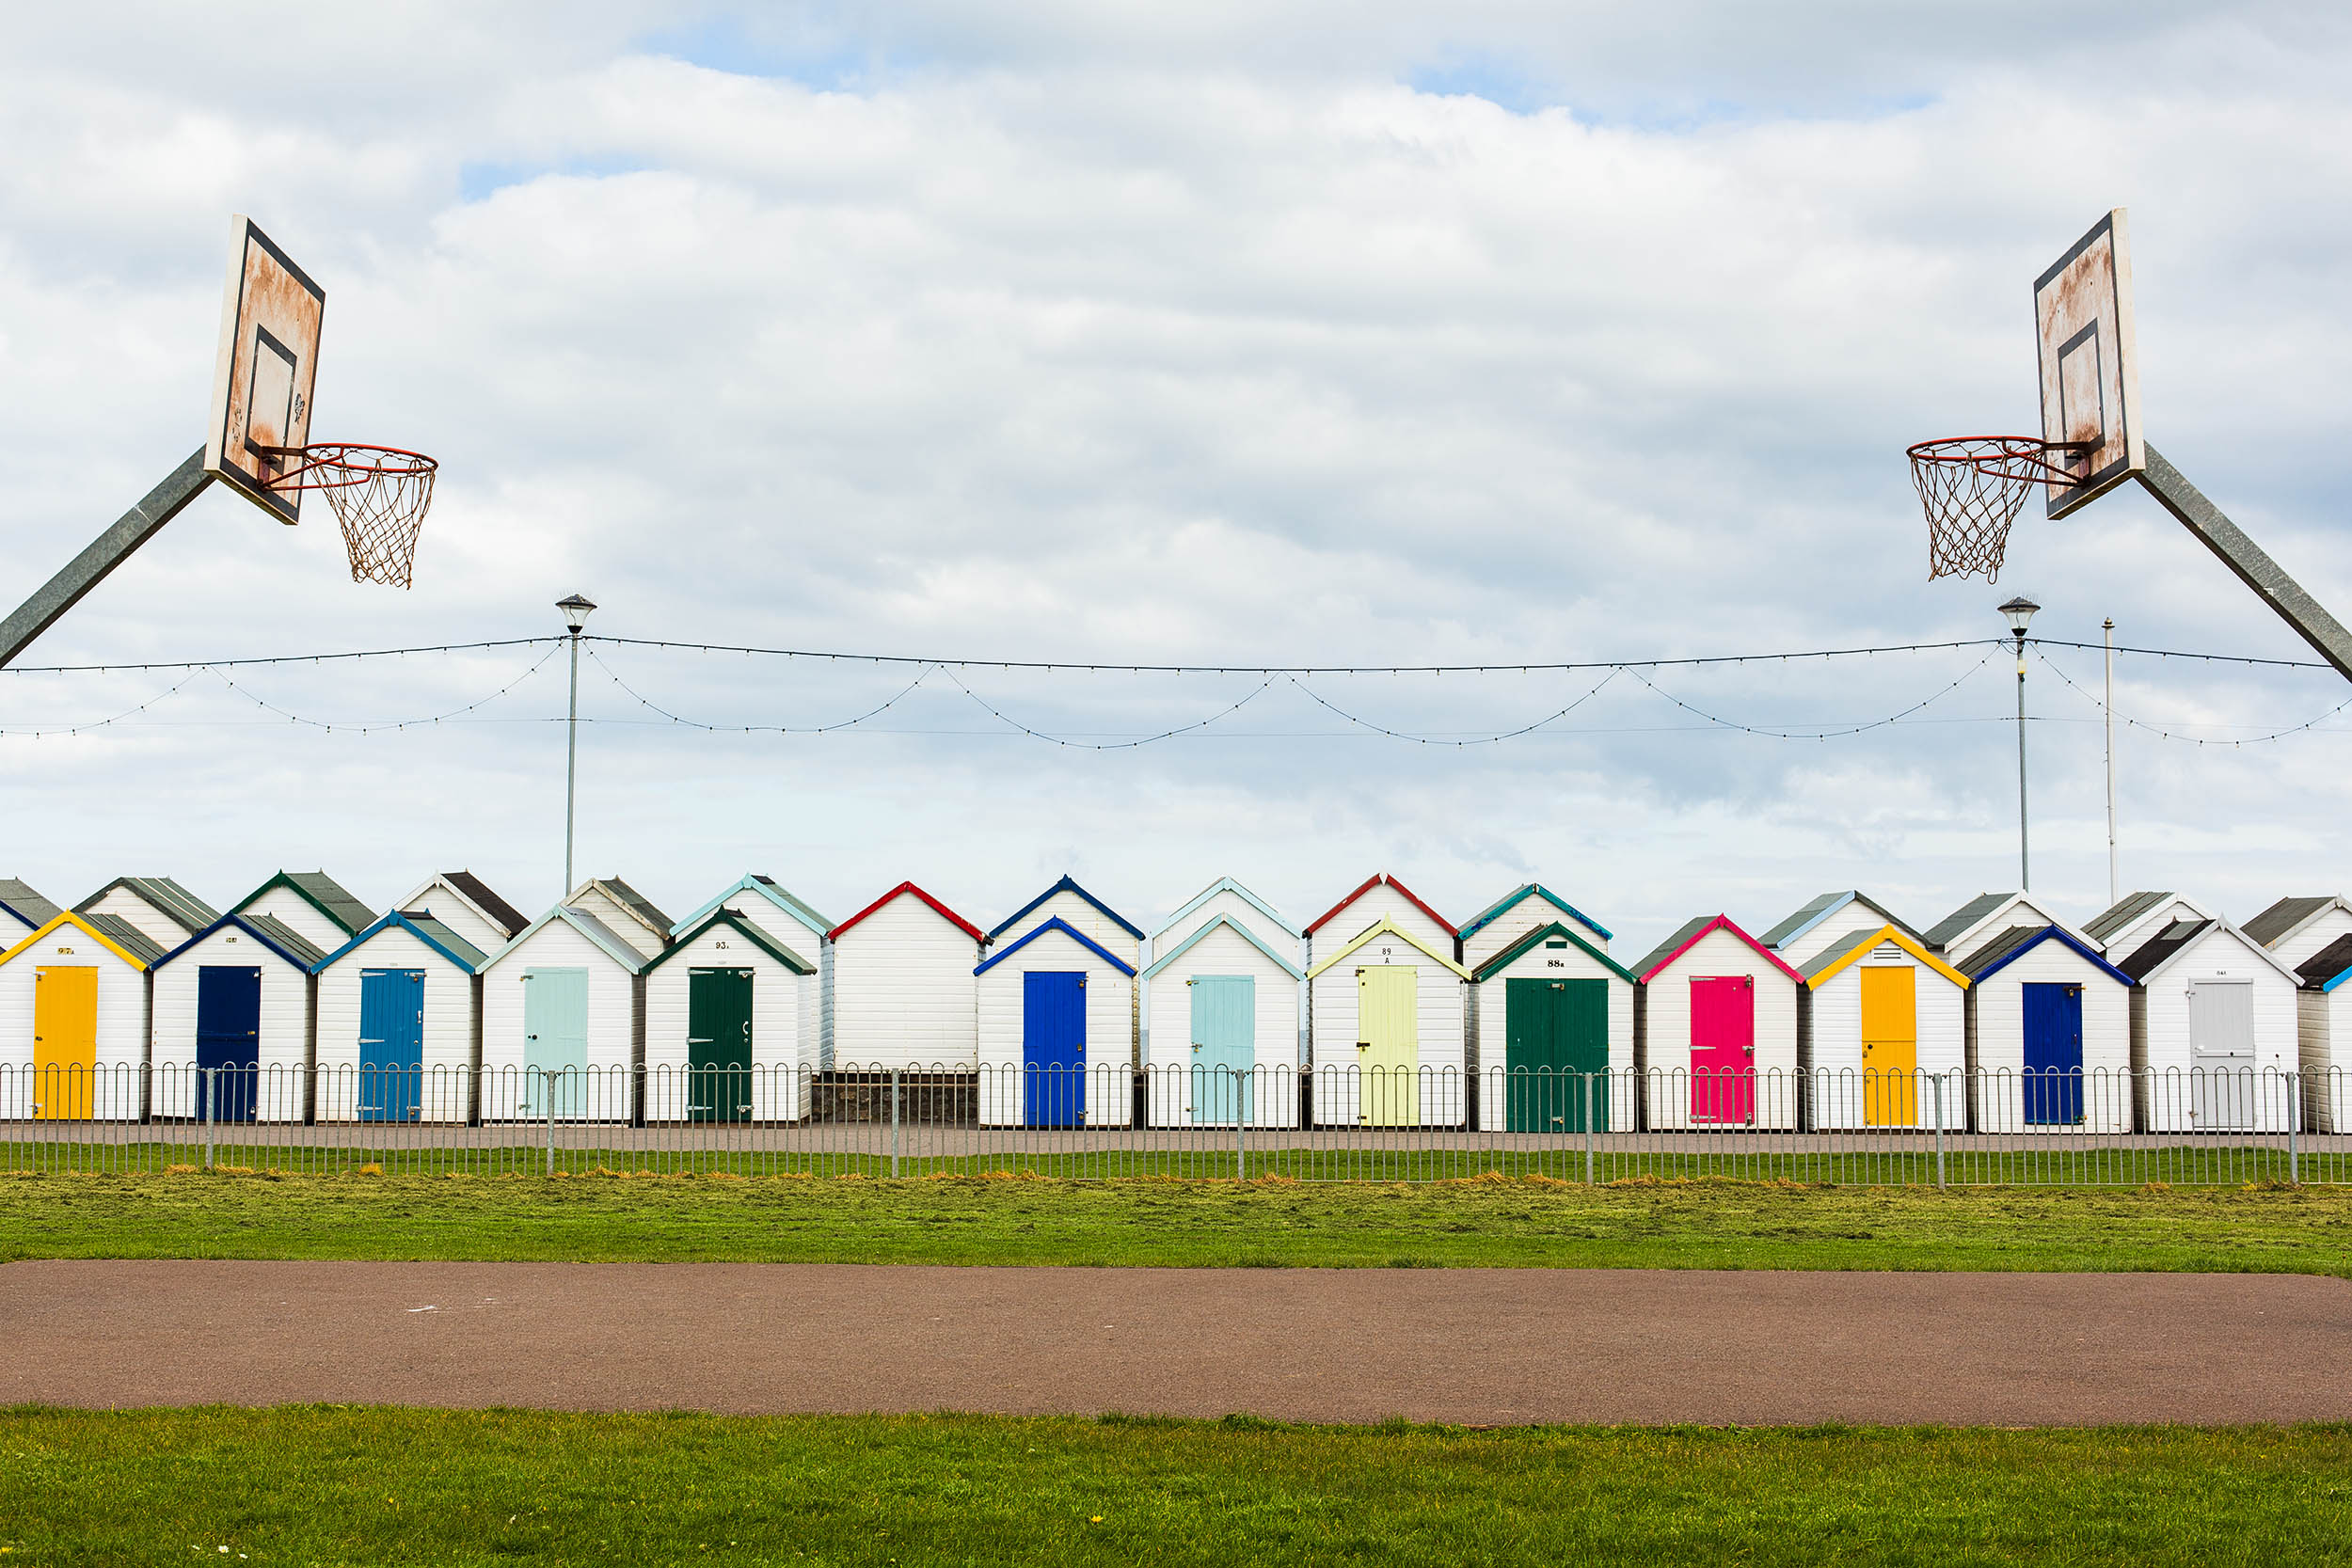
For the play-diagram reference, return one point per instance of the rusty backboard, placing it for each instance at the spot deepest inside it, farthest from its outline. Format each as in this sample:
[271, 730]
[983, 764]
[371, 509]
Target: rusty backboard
[269, 363]
[2082, 311]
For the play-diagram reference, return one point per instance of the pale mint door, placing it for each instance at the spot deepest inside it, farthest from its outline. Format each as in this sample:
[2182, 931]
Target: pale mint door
[555, 1040]
[1224, 1047]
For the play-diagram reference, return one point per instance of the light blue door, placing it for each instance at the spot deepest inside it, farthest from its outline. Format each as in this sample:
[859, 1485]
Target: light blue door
[555, 1040]
[1224, 1047]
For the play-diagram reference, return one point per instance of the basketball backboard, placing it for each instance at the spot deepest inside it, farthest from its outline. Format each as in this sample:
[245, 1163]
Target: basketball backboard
[2089, 365]
[268, 366]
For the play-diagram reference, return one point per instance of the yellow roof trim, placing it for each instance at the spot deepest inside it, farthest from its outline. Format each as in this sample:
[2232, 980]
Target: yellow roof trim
[1404, 936]
[1896, 935]
[69, 918]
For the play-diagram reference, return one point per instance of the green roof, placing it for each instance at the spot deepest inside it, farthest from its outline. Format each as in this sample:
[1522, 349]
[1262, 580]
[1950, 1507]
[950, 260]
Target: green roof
[322, 894]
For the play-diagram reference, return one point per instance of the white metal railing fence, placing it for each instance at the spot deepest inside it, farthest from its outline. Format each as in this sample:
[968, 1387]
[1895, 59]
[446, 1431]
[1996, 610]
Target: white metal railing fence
[1350, 1124]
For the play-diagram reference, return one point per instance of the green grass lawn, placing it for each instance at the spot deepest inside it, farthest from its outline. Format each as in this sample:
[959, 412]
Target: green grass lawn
[1485, 1223]
[324, 1486]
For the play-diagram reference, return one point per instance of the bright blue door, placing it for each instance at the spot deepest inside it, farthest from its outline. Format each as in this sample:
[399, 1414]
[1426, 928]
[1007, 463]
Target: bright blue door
[1054, 1049]
[2054, 1052]
[391, 1043]
[229, 1036]
[1224, 1047]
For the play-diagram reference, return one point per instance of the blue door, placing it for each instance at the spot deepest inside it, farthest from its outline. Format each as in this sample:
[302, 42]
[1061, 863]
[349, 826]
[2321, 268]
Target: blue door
[391, 1043]
[1054, 1049]
[2054, 1052]
[229, 1037]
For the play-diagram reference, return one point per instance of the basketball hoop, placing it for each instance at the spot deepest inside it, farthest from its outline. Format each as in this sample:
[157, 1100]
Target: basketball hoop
[380, 496]
[1972, 488]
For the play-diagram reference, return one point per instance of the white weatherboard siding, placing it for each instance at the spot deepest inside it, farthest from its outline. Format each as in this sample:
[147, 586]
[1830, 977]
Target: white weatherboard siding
[1514, 923]
[903, 990]
[1567, 962]
[2324, 1033]
[2145, 929]
[618, 919]
[145, 918]
[285, 1038]
[1842, 923]
[456, 913]
[1666, 1007]
[1381, 902]
[2304, 945]
[612, 1028]
[302, 917]
[1996, 1030]
[1074, 912]
[783, 1057]
[1834, 1055]
[1233, 907]
[813, 1022]
[1442, 1010]
[1109, 1021]
[2160, 1040]
[1274, 1098]
[446, 1092]
[117, 1091]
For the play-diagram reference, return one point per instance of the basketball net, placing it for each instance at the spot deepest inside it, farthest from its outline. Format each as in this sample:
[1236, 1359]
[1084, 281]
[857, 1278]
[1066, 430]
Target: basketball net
[1972, 488]
[380, 496]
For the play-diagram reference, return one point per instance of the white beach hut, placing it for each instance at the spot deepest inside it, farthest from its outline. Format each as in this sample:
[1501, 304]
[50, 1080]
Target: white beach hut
[2323, 1020]
[2297, 930]
[23, 912]
[1883, 1024]
[2128, 924]
[1221, 1011]
[1555, 1036]
[1376, 898]
[1717, 1029]
[727, 1008]
[904, 992]
[794, 924]
[74, 1021]
[399, 1036]
[1389, 1011]
[236, 999]
[1503, 923]
[1056, 1021]
[311, 904]
[1825, 922]
[2213, 1032]
[468, 906]
[162, 911]
[562, 1015]
[2049, 1033]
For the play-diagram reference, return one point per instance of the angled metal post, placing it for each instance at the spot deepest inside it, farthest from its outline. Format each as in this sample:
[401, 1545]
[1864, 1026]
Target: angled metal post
[547, 1076]
[1588, 1129]
[103, 554]
[1939, 1128]
[205, 1112]
[2253, 567]
[1241, 1126]
[894, 1123]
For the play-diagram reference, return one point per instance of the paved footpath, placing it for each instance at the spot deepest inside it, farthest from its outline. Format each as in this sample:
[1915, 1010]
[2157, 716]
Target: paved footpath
[1470, 1345]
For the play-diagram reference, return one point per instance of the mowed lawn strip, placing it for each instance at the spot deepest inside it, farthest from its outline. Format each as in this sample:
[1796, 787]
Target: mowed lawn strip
[303, 1484]
[1169, 1224]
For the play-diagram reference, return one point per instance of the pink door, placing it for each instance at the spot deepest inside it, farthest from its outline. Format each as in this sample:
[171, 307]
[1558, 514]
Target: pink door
[1722, 1049]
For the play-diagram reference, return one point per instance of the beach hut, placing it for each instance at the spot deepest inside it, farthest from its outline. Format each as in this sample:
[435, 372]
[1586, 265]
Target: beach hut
[399, 1015]
[2127, 925]
[2323, 1030]
[1881, 1023]
[1967, 929]
[1056, 1026]
[1079, 909]
[1221, 1012]
[794, 924]
[1389, 1013]
[1717, 1029]
[1825, 922]
[74, 1021]
[727, 1012]
[1555, 1036]
[2298, 929]
[2049, 1033]
[1503, 923]
[236, 999]
[465, 904]
[561, 1017]
[1377, 899]
[2213, 1030]
[311, 904]
[165, 912]
[23, 912]
[625, 911]
[903, 993]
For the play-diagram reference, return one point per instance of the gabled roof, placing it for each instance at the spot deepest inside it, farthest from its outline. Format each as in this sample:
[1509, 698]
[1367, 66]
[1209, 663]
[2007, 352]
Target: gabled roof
[1964, 919]
[456, 949]
[2127, 911]
[1238, 929]
[906, 889]
[271, 932]
[176, 902]
[322, 892]
[1057, 924]
[634, 903]
[744, 927]
[1404, 936]
[2328, 968]
[1533, 890]
[1687, 937]
[2160, 952]
[1821, 909]
[2017, 941]
[588, 925]
[110, 931]
[471, 890]
[764, 887]
[20, 900]
[2288, 916]
[1545, 933]
[1849, 949]
[1373, 881]
[1227, 884]
[1065, 885]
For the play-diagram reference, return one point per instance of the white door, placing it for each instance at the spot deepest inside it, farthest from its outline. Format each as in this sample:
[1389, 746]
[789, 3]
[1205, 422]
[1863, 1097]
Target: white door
[2221, 1053]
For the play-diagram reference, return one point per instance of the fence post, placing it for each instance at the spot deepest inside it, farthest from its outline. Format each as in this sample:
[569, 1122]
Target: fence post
[1241, 1126]
[894, 1123]
[2295, 1120]
[547, 1078]
[1939, 1129]
[204, 1114]
[1588, 1129]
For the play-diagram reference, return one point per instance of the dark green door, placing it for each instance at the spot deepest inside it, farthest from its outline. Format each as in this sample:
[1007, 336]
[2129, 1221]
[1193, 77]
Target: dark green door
[1556, 1032]
[719, 1045]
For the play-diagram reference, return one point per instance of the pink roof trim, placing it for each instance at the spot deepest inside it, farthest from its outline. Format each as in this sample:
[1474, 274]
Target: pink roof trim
[1443, 924]
[1721, 923]
[902, 891]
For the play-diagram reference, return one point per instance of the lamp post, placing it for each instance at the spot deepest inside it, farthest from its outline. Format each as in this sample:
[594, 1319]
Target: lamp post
[2020, 610]
[576, 608]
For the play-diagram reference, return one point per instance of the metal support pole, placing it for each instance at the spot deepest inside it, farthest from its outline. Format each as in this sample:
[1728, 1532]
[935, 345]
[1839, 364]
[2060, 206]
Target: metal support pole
[893, 1122]
[2295, 1120]
[1939, 1129]
[2114, 880]
[1241, 1126]
[204, 1114]
[2024, 868]
[546, 1076]
[103, 554]
[571, 766]
[2254, 568]
[1588, 1129]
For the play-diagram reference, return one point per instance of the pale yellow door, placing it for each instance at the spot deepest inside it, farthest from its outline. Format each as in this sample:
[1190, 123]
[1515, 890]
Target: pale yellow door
[1389, 1045]
[1890, 1047]
[64, 1042]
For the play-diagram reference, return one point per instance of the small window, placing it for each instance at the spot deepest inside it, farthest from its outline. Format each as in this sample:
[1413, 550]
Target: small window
[1555, 945]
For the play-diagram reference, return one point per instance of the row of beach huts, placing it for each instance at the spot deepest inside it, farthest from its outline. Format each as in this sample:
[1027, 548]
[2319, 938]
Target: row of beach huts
[1068, 1014]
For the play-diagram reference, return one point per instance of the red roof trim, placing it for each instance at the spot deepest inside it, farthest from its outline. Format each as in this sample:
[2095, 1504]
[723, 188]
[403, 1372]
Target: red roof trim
[1443, 924]
[902, 891]
[1721, 923]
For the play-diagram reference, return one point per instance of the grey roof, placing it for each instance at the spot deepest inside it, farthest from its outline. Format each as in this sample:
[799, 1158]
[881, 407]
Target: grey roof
[1837, 950]
[2325, 964]
[176, 902]
[799, 905]
[2151, 954]
[304, 950]
[2003, 944]
[637, 904]
[1956, 923]
[330, 896]
[127, 937]
[2284, 916]
[466, 951]
[503, 914]
[2112, 922]
[1683, 934]
[1828, 902]
[29, 906]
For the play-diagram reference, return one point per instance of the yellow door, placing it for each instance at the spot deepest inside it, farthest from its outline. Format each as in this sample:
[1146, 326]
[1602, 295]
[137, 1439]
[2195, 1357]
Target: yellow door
[64, 1042]
[1890, 1047]
[1388, 1047]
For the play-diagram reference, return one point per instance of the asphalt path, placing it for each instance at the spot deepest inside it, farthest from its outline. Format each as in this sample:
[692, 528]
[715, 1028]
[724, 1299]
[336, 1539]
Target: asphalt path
[1465, 1345]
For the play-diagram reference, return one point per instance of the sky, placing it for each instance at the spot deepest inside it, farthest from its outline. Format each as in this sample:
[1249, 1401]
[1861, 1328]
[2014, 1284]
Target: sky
[1303, 335]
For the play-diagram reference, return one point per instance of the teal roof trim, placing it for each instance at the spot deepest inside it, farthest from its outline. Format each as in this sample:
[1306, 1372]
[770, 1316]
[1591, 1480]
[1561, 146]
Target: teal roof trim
[1238, 929]
[798, 908]
[448, 943]
[750, 933]
[1537, 890]
[588, 925]
[1227, 884]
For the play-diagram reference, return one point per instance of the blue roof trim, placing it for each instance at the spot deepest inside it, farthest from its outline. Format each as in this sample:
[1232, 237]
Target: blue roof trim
[241, 923]
[1227, 884]
[1066, 885]
[2051, 933]
[1537, 890]
[395, 918]
[2338, 980]
[1239, 929]
[1059, 923]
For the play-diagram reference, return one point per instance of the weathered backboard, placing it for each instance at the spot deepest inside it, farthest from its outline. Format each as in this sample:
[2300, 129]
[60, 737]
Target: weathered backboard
[262, 380]
[2082, 311]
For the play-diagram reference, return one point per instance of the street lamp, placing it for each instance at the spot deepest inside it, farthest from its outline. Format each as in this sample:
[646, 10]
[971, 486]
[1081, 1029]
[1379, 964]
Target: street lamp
[2020, 611]
[576, 608]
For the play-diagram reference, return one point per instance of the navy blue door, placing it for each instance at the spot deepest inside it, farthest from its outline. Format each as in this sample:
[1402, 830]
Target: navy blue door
[391, 1043]
[229, 1036]
[1054, 1050]
[2054, 1052]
